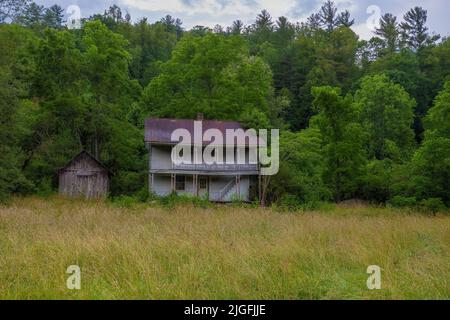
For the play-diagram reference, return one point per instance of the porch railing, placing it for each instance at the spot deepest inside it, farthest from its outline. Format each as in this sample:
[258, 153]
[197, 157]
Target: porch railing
[217, 167]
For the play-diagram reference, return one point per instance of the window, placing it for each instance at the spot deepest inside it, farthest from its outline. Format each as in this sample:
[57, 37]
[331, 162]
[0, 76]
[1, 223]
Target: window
[180, 183]
[203, 183]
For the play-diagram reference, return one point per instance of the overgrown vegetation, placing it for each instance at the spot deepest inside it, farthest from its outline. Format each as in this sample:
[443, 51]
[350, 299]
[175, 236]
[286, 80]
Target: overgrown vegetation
[168, 202]
[183, 252]
[359, 119]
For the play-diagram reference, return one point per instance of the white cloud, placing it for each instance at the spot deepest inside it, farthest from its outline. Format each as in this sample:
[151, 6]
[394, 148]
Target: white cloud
[363, 31]
[224, 12]
[154, 5]
[214, 8]
[210, 7]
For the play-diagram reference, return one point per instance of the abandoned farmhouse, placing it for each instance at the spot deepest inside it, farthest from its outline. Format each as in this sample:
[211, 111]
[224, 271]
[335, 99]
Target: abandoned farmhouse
[219, 182]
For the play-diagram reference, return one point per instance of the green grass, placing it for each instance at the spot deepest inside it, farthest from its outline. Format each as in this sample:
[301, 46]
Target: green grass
[222, 252]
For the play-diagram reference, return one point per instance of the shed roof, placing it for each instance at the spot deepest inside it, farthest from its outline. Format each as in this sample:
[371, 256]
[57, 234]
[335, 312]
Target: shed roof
[78, 156]
[159, 131]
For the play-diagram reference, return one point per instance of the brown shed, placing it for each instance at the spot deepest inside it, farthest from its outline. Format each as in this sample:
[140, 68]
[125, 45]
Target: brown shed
[84, 176]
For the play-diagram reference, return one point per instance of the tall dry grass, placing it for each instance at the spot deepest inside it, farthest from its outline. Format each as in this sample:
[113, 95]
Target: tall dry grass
[219, 253]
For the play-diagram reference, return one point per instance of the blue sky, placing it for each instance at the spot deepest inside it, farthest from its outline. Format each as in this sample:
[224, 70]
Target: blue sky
[211, 12]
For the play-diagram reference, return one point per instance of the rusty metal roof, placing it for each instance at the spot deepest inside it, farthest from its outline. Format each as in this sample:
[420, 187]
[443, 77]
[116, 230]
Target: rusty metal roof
[159, 131]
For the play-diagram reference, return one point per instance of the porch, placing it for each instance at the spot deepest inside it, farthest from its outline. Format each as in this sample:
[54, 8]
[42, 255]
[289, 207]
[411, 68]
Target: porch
[214, 187]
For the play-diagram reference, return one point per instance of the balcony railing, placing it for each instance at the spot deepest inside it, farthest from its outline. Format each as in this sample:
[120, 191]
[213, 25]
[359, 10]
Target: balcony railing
[217, 167]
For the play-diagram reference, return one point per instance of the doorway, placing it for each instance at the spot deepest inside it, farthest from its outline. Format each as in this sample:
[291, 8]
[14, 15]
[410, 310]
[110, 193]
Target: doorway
[203, 186]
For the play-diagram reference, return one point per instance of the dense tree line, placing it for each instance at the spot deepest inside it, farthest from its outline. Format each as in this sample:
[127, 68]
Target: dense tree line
[359, 119]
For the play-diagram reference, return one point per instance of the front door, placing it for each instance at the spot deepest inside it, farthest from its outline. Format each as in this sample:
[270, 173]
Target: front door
[202, 186]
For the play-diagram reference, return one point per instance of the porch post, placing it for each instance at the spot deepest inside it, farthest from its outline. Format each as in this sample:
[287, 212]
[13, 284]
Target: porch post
[196, 185]
[173, 180]
[260, 188]
[238, 186]
[209, 188]
[150, 182]
[150, 176]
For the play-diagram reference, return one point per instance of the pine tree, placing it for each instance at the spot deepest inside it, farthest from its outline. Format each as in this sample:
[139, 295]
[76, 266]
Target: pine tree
[237, 27]
[389, 31]
[328, 16]
[284, 32]
[345, 20]
[414, 30]
[263, 22]
[33, 16]
[313, 21]
[114, 13]
[53, 17]
[168, 22]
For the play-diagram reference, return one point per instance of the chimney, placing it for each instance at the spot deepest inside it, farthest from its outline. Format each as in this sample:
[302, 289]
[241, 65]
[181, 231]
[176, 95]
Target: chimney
[200, 116]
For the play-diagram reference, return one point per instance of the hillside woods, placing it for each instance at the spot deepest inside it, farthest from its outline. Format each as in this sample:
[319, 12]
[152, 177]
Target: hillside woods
[359, 119]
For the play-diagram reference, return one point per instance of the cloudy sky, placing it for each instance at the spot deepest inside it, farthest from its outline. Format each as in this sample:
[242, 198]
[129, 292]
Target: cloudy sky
[224, 12]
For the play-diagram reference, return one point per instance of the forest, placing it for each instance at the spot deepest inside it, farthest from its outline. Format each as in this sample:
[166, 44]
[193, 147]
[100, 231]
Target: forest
[359, 119]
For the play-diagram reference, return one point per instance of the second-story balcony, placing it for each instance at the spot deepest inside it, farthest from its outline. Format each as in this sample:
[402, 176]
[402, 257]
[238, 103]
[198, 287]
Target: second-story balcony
[216, 167]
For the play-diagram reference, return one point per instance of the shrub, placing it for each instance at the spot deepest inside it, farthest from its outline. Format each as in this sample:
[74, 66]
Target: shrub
[171, 201]
[292, 203]
[143, 195]
[128, 183]
[174, 200]
[433, 205]
[375, 184]
[5, 198]
[289, 202]
[128, 202]
[45, 188]
[402, 201]
[201, 202]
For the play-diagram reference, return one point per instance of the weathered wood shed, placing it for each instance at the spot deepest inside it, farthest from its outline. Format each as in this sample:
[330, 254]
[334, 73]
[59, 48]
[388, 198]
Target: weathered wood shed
[84, 176]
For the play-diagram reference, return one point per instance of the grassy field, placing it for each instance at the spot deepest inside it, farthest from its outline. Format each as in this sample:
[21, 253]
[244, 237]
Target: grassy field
[219, 253]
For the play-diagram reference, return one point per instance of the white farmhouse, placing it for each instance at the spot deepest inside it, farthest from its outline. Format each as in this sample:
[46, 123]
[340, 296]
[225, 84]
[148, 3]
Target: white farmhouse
[221, 181]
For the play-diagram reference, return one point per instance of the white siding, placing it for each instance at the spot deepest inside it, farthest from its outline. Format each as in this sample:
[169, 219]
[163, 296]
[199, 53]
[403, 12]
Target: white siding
[161, 158]
[161, 185]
